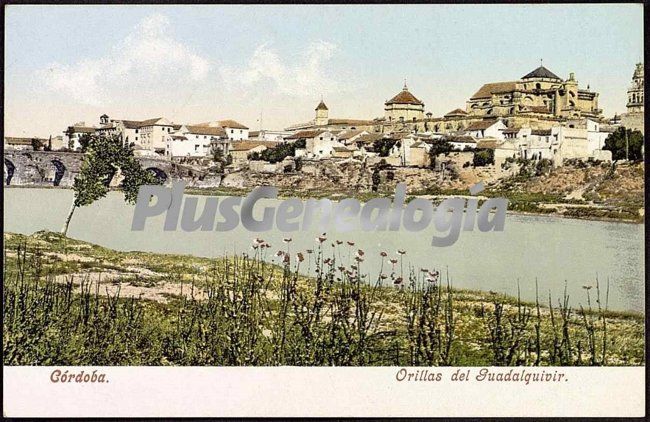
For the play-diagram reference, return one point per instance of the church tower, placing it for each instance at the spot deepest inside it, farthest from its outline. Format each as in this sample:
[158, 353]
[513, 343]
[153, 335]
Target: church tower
[321, 114]
[635, 92]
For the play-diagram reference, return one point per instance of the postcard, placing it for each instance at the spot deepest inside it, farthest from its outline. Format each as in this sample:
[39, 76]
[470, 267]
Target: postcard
[427, 210]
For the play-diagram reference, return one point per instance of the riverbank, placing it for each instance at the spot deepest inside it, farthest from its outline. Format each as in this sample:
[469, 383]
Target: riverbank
[530, 204]
[83, 304]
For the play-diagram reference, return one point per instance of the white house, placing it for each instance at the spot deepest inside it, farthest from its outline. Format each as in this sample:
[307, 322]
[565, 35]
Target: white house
[153, 134]
[234, 130]
[193, 141]
[73, 134]
[486, 129]
[318, 143]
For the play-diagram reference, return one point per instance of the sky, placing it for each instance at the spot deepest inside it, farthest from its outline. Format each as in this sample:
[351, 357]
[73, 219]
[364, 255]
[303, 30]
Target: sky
[269, 66]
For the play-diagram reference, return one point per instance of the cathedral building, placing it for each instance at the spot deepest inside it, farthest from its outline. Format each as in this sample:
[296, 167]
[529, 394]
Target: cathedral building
[540, 93]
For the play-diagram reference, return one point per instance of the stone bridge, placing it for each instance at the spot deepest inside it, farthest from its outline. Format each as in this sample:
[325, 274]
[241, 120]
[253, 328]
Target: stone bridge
[52, 168]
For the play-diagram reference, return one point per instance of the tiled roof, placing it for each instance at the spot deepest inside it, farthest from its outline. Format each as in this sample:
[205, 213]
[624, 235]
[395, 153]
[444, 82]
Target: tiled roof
[306, 134]
[541, 72]
[231, 124]
[488, 143]
[370, 138]
[248, 145]
[481, 125]
[487, 90]
[404, 97]
[456, 112]
[206, 130]
[150, 122]
[350, 134]
[131, 124]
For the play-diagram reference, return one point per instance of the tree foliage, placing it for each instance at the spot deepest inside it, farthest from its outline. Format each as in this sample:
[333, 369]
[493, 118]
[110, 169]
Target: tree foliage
[383, 146]
[105, 156]
[37, 144]
[439, 147]
[617, 143]
[278, 152]
[483, 157]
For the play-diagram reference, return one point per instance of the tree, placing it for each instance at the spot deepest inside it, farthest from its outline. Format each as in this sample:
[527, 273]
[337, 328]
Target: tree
[437, 148]
[383, 146]
[625, 144]
[217, 154]
[37, 144]
[278, 152]
[483, 157]
[104, 157]
[84, 141]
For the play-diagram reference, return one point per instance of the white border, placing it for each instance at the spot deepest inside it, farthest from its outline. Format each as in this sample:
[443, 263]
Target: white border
[314, 391]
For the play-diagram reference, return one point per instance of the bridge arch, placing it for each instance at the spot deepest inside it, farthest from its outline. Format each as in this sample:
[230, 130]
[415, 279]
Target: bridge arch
[9, 170]
[59, 171]
[158, 174]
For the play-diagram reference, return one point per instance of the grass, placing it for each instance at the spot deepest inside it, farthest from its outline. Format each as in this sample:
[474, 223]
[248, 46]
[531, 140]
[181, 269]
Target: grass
[258, 309]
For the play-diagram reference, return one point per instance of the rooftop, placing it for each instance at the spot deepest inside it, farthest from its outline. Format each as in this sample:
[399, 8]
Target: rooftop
[541, 72]
[404, 97]
[487, 90]
[206, 130]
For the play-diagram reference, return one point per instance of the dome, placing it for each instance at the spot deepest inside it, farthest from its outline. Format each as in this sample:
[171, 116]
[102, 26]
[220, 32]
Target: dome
[541, 72]
[404, 97]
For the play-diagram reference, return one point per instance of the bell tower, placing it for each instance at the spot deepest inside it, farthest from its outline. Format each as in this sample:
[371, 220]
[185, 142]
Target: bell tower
[321, 114]
[635, 94]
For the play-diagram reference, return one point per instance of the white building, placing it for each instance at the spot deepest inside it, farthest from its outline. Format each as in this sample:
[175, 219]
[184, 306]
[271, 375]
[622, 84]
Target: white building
[73, 134]
[194, 141]
[318, 143]
[153, 134]
[234, 130]
[486, 129]
[269, 135]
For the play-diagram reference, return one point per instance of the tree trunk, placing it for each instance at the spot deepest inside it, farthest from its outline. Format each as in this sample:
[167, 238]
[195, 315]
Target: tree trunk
[64, 230]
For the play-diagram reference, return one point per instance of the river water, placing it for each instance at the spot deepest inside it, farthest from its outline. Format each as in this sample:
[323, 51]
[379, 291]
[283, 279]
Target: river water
[555, 251]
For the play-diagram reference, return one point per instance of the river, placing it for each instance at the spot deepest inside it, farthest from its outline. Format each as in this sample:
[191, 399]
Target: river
[554, 250]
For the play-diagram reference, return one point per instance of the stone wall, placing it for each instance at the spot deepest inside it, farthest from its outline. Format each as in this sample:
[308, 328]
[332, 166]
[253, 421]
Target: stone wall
[53, 168]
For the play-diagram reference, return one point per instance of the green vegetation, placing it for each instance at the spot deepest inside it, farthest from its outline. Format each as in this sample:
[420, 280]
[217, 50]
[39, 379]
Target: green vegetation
[278, 152]
[483, 157]
[383, 146]
[244, 310]
[437, 148]
[105, 156]
[625, 144]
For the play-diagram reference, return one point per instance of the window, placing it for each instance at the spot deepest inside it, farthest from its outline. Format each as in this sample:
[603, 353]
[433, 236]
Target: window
[232, 131]
[241, 131]
[136, 131]
[321, 138]
[196, 148]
